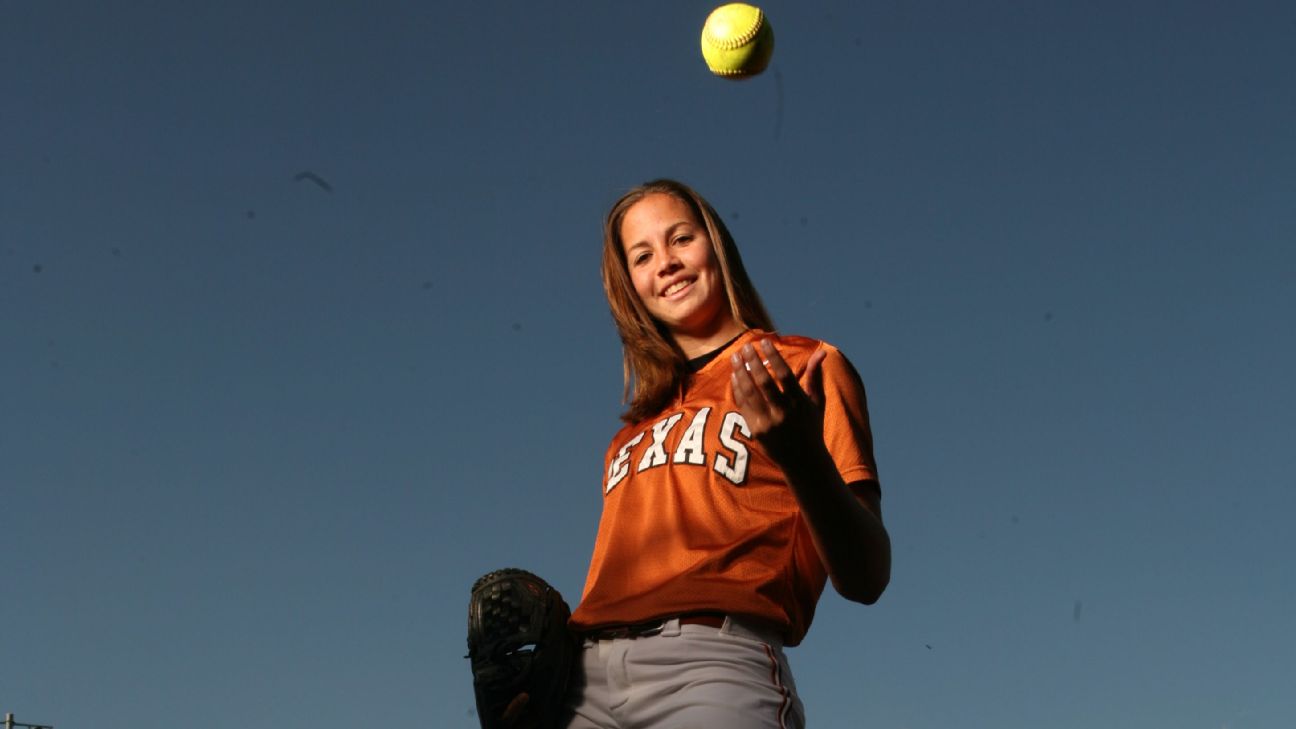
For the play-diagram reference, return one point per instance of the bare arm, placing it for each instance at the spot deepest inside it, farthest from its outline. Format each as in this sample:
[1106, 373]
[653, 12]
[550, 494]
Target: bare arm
[845, 522]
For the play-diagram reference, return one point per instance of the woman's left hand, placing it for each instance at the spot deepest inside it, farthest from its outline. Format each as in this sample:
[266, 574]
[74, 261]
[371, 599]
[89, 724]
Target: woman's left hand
[786, 417]
[782, 414]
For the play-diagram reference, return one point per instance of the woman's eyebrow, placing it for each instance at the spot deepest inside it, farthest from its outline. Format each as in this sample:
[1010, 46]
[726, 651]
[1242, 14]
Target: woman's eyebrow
[669, 232]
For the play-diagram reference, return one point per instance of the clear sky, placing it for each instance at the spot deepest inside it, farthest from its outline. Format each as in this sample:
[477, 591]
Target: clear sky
[257, 437]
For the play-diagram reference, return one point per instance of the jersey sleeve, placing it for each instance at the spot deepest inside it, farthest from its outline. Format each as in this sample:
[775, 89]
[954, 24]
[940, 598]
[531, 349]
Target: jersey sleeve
[846, 422]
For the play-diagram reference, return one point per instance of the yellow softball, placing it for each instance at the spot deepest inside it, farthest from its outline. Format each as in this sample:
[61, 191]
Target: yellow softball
[737, 41]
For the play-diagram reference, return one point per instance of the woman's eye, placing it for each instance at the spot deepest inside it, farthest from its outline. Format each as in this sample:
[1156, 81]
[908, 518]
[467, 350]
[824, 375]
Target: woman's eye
[640, 258]
[683, 239]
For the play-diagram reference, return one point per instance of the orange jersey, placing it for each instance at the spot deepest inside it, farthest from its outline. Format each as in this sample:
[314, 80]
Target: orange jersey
[697, 517]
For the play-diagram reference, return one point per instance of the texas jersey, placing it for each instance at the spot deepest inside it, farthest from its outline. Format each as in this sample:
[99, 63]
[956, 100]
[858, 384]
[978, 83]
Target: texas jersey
[697, 517]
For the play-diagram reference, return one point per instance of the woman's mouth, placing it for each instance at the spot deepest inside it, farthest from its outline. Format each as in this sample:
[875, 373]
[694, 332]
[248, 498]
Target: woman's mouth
[676, 288]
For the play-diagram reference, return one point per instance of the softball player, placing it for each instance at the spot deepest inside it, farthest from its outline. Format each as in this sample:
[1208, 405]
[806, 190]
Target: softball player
[741, 482]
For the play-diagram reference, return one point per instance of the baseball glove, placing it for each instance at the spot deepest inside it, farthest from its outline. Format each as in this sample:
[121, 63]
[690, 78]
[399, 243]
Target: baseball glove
[521, 651]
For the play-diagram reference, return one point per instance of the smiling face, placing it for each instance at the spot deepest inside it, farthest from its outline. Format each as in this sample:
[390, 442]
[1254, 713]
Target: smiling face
[673, 267]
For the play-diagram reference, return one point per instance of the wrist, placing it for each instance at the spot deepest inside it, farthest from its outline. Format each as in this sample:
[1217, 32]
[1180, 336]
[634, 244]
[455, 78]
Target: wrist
[808, 463]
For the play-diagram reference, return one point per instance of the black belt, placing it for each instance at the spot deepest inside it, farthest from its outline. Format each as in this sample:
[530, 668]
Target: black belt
[653, 627]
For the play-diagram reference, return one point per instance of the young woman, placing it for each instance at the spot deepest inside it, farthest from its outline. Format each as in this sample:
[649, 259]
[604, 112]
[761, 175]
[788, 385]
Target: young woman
[742, 481]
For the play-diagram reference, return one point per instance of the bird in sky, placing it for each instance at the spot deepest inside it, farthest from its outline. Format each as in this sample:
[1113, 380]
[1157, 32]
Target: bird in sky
[308, 175]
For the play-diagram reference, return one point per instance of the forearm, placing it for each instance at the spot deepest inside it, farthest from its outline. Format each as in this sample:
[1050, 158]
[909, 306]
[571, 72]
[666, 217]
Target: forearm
[848, 534]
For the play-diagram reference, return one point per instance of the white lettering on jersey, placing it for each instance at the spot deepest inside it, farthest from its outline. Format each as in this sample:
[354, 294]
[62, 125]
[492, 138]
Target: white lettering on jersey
[655, 455]
[620, 465]
[737, 473]
[689, 449]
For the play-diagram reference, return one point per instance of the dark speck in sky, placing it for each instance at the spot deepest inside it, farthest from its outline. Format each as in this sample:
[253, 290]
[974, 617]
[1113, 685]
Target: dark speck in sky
[517, 326]
[37, 268]
[251, 215]
[426, 285]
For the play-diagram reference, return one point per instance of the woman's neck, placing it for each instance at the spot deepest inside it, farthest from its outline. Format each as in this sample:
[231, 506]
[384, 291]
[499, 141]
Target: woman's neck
[697, 344]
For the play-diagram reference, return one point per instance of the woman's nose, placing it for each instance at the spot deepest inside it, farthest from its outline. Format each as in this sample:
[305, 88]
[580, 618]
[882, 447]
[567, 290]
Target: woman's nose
[669, 262]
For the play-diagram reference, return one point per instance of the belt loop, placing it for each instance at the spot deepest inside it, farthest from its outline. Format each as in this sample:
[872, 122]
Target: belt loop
[670, 628]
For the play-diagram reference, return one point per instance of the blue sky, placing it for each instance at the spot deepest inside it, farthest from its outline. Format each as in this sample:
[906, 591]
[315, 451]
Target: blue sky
[257, 438]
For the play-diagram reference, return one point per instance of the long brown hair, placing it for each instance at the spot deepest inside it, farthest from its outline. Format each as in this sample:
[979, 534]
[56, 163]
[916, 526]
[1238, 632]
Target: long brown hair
[653, 364]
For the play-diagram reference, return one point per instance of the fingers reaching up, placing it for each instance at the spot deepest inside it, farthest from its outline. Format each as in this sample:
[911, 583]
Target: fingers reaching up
[781, 412]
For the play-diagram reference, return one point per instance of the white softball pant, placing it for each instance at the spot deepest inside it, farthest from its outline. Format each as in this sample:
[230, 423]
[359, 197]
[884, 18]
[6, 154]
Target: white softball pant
[687, 677]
